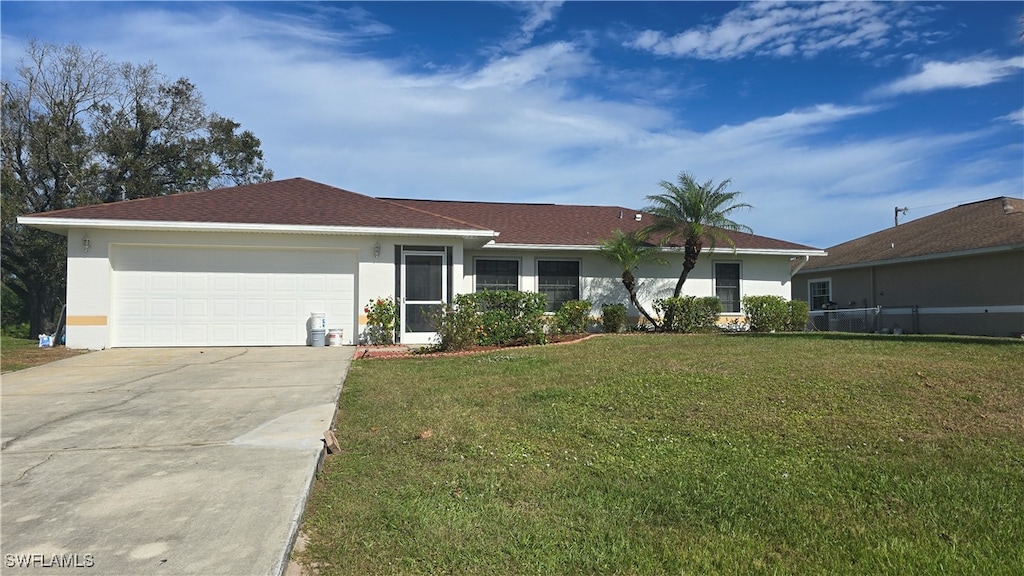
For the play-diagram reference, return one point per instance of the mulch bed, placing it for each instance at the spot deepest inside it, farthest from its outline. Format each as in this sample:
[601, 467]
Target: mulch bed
[400, 351]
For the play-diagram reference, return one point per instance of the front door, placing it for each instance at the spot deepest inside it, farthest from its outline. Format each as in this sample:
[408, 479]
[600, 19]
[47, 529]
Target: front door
[424, 284]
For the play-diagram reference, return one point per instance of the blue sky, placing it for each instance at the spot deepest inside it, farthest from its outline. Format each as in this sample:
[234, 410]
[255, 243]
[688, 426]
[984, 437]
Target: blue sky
[825, 115]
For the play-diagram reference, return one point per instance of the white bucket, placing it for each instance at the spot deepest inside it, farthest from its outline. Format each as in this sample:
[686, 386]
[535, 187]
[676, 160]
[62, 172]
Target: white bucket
[335, 337]
[317, 321]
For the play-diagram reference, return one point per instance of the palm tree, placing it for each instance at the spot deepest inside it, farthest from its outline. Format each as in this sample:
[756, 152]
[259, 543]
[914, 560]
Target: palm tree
[629, 251]
[697, 213]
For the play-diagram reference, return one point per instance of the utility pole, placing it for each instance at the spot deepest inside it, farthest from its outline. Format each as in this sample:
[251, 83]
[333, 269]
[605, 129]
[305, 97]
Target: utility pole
[896, 214]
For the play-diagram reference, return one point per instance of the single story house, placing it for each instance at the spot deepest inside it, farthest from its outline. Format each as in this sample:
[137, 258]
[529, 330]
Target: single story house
[249, 265]
[960, 271]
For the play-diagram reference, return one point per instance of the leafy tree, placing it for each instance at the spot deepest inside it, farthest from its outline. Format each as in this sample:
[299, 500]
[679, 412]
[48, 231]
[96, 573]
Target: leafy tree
[80, 129]
[697, 213]
[629, 252]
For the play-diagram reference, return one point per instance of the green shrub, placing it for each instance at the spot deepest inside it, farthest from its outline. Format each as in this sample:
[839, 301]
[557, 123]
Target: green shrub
[572, 317]
[18, 330]
[768, 313]
[491, 318]
[799, 314]
[458, 325]
[613, 317]
[509, 316]
[688, 313]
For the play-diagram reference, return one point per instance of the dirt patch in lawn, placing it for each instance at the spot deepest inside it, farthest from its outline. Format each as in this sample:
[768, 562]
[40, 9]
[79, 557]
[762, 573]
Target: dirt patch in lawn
[400, 351]
[26, 355]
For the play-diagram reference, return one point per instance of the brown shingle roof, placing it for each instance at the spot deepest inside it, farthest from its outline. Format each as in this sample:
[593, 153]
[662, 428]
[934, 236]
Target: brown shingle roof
[993, 223]
[302, 202]
[557, 224]
[297, 201]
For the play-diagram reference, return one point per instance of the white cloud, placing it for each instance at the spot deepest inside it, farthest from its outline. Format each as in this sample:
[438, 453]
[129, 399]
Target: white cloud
[549, 62]
[963, 74]
[538, 14]
[783, 29]
[1016, 117]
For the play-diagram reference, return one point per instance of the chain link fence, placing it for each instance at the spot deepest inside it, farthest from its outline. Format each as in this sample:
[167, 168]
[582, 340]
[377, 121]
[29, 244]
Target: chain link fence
[863, 320]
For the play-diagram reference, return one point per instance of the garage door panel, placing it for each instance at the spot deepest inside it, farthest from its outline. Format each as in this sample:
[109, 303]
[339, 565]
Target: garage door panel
[255, 283]
[133, 282]
[224, 282]
[194, 283]
[335, 285]
[132, 308]
[194, 334]
[255, 309]
[203, 296]
[161, 332]
[224, 308]
[194, 308]
[281, 284]
[224, 334]
[130, 332]
[162, 282]
[288, 308]
[258, 332]
[163, 308]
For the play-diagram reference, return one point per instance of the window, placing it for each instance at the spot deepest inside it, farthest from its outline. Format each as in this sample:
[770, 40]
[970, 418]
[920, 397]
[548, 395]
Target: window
[727, 286]
[819, 293]
[559, 280]
[497, 275]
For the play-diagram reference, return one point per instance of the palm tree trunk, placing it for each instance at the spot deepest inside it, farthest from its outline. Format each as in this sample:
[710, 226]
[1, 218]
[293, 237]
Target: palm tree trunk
[629, 281]
[636, 302]
[690, 254]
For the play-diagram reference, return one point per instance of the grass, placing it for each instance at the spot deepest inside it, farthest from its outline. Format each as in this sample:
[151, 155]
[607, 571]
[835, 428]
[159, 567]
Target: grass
[681, 454]
[19, 353]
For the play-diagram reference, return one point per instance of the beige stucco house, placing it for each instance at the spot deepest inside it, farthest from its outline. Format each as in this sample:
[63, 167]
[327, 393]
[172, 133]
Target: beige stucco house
[248, 265]
[960, 271]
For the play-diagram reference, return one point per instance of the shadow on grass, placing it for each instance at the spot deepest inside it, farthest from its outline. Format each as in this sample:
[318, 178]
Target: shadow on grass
[945, 338]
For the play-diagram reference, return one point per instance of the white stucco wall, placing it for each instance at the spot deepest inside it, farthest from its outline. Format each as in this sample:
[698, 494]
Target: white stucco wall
[760, 275]
[90, 272]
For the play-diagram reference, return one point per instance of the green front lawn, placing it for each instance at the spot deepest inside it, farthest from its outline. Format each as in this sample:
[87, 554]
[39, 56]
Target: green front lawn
[653, 454]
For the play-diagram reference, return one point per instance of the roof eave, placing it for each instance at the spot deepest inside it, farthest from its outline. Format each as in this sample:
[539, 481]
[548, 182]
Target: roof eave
[920, 258]
[593, 247]
[62, 225]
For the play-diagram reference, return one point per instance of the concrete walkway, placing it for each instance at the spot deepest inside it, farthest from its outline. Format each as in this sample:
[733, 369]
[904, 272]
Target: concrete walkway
[163, 461]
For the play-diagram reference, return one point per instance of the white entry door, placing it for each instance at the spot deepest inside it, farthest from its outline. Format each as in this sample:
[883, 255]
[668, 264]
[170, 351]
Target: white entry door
[424, 285]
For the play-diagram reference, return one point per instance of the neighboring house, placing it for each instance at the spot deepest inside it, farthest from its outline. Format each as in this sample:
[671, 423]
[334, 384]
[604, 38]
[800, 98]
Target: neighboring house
[960, 271]
[249, 265]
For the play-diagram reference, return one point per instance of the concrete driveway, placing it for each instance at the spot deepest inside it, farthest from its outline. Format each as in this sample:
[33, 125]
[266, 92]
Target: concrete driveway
[163, 461]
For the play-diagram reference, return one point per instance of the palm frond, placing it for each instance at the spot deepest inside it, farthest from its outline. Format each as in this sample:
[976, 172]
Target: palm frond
[695, 211]
[630, 250]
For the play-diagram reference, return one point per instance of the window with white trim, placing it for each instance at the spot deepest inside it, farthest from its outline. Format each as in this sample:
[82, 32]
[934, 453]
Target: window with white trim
[727, 286]
[559, 280]
[819, 293]
[497, 274]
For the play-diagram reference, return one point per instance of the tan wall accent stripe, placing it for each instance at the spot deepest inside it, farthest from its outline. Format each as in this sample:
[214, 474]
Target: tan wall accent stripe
[87, 320]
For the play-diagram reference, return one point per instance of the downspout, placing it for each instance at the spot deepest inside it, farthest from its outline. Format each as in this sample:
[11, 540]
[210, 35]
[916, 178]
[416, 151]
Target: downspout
[800, 266]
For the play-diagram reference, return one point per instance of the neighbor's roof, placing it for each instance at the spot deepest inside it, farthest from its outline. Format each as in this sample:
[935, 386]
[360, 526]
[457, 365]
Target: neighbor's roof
[997, 223]
[302, 203]
[565, 225]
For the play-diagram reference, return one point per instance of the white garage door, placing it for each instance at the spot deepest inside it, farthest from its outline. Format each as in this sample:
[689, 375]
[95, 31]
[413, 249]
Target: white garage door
[215, 296]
